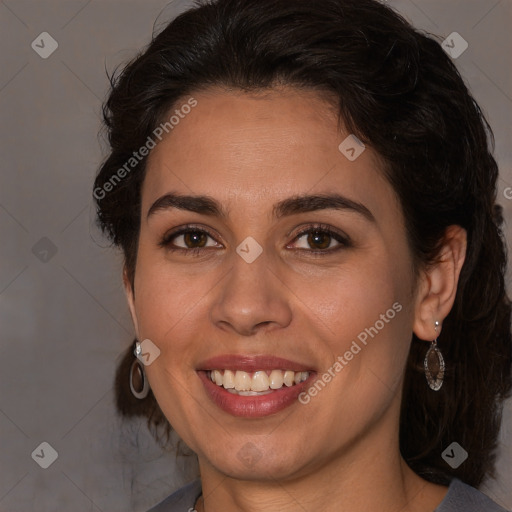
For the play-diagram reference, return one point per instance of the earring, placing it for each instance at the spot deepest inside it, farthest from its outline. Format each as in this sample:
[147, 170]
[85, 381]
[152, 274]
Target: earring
[434, 365]
[139, 384]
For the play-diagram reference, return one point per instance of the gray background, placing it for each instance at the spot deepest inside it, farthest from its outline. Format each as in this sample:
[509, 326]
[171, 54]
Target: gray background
[64, 321]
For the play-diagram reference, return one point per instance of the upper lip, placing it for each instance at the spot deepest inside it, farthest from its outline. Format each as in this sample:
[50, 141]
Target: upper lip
[250, 364]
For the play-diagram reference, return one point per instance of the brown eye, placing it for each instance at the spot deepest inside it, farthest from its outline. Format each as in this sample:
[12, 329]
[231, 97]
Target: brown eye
[188, 239]
[191, 238]
[320, 239]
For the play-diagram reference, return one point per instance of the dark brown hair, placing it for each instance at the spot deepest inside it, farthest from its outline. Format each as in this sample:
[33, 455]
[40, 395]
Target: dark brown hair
[397, 91]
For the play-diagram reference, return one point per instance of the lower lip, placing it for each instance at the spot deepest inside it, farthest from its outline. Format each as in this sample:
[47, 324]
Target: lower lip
[253, 406]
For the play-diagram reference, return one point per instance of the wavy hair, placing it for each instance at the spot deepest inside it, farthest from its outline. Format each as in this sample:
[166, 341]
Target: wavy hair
[396, 90]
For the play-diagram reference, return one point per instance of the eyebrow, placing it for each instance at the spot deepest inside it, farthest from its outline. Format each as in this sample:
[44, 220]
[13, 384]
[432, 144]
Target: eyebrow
[207, 205]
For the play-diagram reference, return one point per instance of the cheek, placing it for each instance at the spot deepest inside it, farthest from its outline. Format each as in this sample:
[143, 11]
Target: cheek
[166, 292]
[352, 298]
[362, 318]
[169, 304]
[171, 312]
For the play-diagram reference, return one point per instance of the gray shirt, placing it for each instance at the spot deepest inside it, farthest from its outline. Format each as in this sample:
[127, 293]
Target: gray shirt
[459, 498]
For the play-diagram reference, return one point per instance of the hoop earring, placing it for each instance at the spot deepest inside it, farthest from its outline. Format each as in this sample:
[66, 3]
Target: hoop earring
[434, 365]
[139, 390]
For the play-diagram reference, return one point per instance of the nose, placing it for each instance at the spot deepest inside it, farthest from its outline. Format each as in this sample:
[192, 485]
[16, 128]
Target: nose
[253, 298]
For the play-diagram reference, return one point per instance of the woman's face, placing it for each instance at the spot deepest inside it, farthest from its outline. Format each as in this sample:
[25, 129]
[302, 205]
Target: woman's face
[246, 286]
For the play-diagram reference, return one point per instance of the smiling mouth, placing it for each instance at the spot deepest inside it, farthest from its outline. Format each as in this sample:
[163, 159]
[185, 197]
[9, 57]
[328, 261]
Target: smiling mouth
[262, 382]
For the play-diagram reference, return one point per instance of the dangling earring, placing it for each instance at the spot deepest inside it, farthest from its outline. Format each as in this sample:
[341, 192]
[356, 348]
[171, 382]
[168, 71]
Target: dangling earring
[139, 384]
[434, 365]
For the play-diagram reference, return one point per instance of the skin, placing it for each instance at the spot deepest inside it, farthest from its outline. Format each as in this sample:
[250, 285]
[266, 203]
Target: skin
[340, 451]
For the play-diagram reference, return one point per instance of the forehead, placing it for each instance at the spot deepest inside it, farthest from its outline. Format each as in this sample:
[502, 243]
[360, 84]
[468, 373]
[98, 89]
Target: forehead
[249, 149]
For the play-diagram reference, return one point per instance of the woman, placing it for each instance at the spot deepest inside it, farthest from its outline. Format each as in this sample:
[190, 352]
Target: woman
[305, 199]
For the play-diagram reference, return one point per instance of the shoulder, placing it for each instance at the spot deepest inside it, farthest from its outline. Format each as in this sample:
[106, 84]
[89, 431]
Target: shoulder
[464, 498]
[182, 500]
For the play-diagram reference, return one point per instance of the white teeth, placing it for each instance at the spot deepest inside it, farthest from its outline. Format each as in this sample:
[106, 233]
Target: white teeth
[228, 380]
[242, 383]
[259, 382]
[300, 377]
[276, 379]
[288, 378]
[218, 377]
[249, 393]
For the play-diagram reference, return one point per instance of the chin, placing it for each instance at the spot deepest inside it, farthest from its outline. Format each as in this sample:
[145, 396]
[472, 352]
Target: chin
[254, 463]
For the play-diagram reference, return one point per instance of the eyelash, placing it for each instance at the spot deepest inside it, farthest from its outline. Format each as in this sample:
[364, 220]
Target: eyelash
[343, 240]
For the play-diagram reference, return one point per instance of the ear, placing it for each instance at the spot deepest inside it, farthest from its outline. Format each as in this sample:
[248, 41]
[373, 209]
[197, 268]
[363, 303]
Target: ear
[437, 285]
[130, 297]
